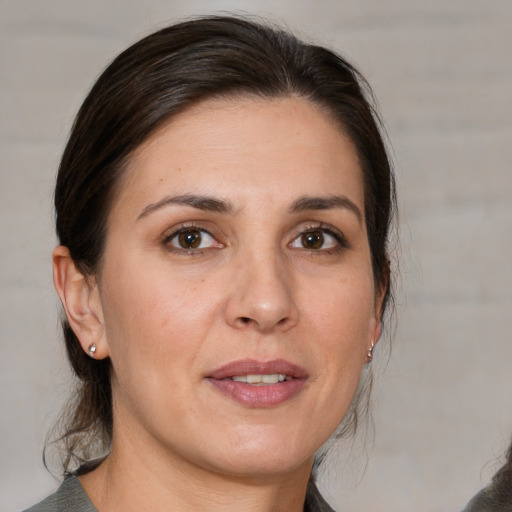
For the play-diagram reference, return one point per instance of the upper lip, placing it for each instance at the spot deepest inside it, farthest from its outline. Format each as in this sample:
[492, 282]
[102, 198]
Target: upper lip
[254, 367]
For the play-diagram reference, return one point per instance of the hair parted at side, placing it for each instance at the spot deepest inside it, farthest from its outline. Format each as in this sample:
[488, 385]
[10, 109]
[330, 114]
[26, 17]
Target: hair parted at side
[144, 87]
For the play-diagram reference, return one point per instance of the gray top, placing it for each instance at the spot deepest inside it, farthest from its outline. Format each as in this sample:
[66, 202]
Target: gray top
[71, 497]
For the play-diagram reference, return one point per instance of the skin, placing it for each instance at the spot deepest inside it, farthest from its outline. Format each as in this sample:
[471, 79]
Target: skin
[168, 316]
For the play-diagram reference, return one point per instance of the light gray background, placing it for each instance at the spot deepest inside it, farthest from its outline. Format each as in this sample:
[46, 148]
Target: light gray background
[442, 70]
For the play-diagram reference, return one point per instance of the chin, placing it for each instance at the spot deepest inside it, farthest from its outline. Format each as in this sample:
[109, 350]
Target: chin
[260, 453]
[264, 466]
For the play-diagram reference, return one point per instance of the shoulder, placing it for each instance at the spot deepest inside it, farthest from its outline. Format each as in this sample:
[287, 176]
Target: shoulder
[70, 497]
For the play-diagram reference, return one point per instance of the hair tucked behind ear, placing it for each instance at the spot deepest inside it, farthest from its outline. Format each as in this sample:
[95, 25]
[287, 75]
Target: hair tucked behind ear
[144, 87]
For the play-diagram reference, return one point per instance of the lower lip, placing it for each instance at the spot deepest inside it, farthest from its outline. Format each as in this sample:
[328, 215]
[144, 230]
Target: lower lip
[259, 396]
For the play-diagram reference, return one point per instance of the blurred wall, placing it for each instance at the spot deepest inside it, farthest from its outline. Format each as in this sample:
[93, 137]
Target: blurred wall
[443, 75]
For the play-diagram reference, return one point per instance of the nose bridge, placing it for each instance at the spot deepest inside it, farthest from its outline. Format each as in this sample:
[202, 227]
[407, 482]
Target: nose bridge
[262, 295]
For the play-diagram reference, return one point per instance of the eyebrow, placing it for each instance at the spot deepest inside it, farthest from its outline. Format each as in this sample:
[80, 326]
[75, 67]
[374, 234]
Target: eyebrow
[200, 202]
[326, 203]
[210, 204]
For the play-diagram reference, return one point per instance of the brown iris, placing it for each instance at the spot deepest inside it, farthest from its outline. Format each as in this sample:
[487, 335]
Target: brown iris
[312, 240]
[189, 239]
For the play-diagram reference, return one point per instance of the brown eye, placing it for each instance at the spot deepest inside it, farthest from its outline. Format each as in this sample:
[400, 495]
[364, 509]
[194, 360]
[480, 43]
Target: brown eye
[189, 239]
[312, 240]
[319, 239]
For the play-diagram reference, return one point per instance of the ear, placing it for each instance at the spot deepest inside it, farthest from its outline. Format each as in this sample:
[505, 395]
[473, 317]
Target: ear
[374, 336]
[381, 297]
[80, 297]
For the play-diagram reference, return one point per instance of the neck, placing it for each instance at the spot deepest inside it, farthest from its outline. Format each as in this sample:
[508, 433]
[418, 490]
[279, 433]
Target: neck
[129, 480]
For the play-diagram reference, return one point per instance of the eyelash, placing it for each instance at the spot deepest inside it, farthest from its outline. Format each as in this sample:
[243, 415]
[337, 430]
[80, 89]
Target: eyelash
[341, 241]
[339, 237]
[182, 229]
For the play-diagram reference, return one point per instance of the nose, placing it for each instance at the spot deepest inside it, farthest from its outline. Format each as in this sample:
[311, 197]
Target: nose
[262, 296]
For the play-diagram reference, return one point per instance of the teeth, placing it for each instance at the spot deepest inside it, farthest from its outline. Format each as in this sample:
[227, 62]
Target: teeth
[273, 378]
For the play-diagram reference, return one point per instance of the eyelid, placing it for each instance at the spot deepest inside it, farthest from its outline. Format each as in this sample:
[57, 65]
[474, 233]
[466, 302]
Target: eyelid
[173, 232]
[336, 233]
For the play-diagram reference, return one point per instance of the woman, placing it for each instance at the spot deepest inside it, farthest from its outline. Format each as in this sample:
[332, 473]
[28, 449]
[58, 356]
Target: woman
[223, 207]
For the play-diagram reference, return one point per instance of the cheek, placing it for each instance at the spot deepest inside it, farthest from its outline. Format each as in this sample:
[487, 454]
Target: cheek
[154, 338]
[147, 315]
[341, 319]
[343, 309]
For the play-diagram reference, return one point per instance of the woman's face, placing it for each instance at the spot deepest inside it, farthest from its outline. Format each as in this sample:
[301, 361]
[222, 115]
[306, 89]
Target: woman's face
[236, 287]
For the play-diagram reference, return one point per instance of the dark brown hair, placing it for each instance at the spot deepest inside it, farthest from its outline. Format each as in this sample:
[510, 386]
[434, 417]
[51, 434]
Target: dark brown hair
[501, 485]
[159, 76]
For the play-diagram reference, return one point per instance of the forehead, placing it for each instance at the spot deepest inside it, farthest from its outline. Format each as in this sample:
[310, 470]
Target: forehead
[230, 147]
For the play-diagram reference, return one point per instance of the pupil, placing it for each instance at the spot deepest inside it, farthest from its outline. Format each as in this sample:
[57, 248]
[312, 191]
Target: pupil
[190, 239]
[313, 240]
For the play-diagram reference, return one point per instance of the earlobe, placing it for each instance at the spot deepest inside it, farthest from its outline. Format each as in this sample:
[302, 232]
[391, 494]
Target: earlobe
[369, 354]
[80, 298]
[375, 332]
[380, 303]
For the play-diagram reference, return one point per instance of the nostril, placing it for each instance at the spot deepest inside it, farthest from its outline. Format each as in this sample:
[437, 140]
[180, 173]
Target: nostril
[245, 320]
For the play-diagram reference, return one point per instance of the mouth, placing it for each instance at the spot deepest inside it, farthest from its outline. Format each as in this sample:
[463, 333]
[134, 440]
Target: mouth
[259, 384]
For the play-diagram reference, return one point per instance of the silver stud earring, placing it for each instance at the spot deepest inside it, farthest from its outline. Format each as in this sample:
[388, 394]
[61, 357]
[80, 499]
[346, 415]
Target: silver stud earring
[92, 350]
[369, 355]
